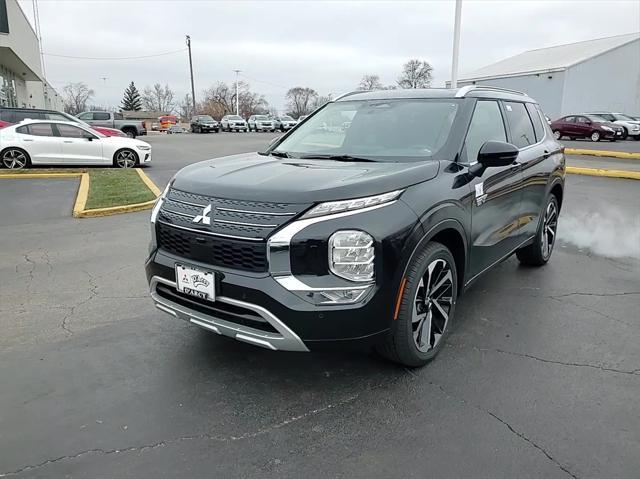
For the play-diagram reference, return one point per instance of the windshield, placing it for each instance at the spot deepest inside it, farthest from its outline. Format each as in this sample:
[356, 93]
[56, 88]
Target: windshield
[235, 117]
[619, 116]
[596, 118]
[206, 118]
[286, 117]
[376, 129]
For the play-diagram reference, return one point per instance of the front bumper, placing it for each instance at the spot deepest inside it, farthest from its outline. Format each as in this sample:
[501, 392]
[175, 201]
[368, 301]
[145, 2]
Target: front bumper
[278, 308]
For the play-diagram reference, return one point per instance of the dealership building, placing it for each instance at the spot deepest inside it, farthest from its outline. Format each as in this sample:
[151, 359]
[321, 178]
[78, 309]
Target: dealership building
[594, 75]
[22, 82]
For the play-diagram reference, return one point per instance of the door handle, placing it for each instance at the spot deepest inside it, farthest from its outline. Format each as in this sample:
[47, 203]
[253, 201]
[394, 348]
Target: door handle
[27, 139]
[68, 141]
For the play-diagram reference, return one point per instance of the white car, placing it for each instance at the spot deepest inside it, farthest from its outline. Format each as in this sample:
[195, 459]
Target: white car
[630, 125]
[44, 142]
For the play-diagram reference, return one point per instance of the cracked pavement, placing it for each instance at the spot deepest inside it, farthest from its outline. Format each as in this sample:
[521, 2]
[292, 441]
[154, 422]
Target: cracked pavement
[540, 378]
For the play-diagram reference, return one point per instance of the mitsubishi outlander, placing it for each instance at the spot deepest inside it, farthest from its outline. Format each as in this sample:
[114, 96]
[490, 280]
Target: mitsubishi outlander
[363, 225]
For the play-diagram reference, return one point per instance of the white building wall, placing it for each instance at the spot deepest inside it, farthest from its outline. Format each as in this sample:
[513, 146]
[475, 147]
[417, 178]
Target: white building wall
[546, 88]
[609, 82]
[22, 38]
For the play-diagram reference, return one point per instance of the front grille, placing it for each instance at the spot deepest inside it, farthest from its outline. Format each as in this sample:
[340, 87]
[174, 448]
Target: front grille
[236, 233]
[236, 254]
[217, 309]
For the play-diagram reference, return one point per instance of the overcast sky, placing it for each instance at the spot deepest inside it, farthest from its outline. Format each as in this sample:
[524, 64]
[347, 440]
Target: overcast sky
[326, 45]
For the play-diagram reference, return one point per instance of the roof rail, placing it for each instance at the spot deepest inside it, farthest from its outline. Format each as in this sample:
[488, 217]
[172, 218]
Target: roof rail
[349, 93]
[462, 92]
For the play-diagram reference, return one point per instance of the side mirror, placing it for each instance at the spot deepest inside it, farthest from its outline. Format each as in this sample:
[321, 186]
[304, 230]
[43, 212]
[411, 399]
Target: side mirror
[494, 154]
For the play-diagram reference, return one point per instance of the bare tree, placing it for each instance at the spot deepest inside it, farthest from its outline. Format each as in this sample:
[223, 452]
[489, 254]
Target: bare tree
[158, 98]
[301, 100]
[185, 109]
[370, 82]
[416, 74]
[75, 97]
[220, 100]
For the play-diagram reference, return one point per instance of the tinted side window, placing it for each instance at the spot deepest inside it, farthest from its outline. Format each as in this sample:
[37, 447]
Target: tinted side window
[86, 116]
[69, 131]
[582, 119]
[100, 116]
[18, 116]
[118, 116]
[569, 119]
[486, 125]
[522, 133]
[537, 122]
[23, 129]
[41, 129]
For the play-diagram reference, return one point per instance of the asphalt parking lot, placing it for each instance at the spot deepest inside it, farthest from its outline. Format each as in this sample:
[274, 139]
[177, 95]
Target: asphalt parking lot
[540, 378]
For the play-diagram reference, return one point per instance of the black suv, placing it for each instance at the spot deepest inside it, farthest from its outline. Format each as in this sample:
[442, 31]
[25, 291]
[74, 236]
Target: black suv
[204, 124]
[362, 225]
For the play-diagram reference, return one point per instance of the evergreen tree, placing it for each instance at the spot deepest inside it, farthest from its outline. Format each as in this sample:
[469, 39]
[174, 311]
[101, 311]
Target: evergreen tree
[131, 100]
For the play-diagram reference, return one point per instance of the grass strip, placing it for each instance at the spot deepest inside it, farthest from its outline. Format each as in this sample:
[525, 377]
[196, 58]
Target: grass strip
[111, 187]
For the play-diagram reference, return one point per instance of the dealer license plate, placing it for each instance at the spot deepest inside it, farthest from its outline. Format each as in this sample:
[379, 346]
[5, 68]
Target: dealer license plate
[196, 282]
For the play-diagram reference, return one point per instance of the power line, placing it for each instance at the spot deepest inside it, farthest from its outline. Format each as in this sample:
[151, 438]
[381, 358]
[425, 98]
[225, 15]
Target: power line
[116, 58]
[265, 82]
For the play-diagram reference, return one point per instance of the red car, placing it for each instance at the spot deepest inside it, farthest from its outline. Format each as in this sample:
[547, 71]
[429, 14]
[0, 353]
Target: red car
[585, 126]
[3, 124]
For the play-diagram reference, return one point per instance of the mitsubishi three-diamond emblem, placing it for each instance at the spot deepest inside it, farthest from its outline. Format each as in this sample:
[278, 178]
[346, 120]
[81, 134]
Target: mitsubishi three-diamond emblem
[204, 217]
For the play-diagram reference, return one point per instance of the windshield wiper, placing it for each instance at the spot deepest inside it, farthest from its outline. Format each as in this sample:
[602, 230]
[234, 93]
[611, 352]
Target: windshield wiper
[336, 158]
[280, 154]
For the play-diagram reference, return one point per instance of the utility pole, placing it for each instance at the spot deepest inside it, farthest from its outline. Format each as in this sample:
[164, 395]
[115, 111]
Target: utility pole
[237, 97]
[193, 90]
[456, 45]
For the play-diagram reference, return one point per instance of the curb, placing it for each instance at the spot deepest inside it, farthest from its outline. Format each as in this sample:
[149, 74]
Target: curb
[79, 210]
[629, 175]
[624, 155]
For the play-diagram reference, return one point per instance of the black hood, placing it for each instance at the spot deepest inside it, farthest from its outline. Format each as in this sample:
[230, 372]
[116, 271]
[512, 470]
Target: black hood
[254, 177]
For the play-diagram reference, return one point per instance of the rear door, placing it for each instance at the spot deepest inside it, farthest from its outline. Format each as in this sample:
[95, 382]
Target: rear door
[40, 141]
[569, 126]
[528, 133]
[102, 118]
[496, 208]
[79, 146]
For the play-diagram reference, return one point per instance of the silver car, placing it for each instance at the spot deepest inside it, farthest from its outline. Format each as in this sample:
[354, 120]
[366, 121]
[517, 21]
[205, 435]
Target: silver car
[261, 123]
[284, 122]
[233, 123]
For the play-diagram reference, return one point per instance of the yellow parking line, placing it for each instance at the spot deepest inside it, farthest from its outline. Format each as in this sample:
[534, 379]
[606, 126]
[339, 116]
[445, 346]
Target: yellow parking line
[625, 155]
[147, 181]
[81, 198]
[631, 175]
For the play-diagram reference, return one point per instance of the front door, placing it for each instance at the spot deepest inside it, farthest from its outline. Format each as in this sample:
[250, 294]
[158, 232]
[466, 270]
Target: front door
[496, 207]
[79, 146]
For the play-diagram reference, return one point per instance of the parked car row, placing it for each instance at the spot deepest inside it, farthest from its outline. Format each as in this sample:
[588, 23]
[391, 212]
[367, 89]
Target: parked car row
[596, 126]
[207, 124]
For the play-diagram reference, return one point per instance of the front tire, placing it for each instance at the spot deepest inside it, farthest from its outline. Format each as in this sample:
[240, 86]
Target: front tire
[125, 158]
[539, 252]
[595, 136]
[15, 158]
[557, 135]
[625, 133]
[426, 309]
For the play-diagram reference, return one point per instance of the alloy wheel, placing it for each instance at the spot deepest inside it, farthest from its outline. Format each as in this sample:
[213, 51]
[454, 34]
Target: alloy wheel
[595, 136]
[549, 226]
[126, 159]
[432, 305]
[14, 159]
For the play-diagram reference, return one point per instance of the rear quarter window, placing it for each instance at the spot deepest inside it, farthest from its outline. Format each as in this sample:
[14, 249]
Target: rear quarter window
[537, 122]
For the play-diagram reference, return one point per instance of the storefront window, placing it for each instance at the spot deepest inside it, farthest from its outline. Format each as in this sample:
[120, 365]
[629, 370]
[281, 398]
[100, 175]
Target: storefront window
[8, 96]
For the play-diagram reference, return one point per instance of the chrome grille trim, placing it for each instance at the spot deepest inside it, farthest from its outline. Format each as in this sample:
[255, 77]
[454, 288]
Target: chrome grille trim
[266, 213]
[209, 233]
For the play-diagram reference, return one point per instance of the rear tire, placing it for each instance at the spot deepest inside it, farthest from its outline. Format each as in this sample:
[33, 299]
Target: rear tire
[129, 132]
[557, 135]
[428, 301]
[15, 158]
[539, 252]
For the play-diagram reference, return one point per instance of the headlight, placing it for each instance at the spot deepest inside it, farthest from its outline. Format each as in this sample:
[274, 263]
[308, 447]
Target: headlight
[349, 205]
[143, 147]
[351, 255]
[606, 128]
